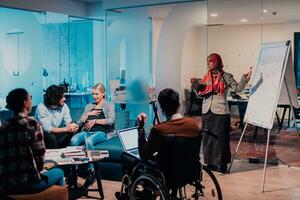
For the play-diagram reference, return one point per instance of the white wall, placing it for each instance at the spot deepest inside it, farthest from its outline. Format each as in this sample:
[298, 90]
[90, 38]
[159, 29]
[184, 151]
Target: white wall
[239, 46]
[190, 60]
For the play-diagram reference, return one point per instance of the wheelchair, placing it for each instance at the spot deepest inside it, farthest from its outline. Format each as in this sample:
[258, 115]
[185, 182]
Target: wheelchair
[173, 180]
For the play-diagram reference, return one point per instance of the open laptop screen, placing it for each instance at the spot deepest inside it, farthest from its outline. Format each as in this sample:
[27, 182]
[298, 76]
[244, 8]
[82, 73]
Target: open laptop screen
[129, 138]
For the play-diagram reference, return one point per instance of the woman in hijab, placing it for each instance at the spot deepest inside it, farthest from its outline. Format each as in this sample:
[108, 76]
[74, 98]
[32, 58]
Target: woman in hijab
[216, 115]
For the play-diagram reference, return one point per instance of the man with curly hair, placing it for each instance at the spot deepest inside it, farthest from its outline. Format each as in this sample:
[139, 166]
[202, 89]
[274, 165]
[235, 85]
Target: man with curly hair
[54, 115]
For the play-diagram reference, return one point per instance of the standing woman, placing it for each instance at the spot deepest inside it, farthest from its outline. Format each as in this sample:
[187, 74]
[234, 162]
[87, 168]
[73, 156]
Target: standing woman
[216, 115]
[96, 120]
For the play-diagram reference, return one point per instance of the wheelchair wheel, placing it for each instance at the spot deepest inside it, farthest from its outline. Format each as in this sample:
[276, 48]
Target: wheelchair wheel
[209, 185]
[147, 187]
[207, 188]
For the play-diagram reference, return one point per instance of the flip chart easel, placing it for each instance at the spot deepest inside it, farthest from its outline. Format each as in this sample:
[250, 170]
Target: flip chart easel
[270, 78]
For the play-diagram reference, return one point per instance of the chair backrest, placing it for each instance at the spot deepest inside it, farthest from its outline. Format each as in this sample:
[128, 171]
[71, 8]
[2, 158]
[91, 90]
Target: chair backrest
[179, 160]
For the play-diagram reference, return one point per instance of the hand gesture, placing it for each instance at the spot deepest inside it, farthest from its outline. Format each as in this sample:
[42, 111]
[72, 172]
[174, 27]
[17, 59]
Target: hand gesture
[73, 127]
[142, 118]
[89, 124]
[248, 75]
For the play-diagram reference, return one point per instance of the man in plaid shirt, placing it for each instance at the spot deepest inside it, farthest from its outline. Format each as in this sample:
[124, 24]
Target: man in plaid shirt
[22, 150]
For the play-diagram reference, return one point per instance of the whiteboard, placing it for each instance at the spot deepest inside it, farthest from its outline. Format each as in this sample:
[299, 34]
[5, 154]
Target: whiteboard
[267, 83]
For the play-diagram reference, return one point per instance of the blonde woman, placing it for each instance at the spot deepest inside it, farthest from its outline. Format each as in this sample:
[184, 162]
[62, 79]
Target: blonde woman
[96, 121]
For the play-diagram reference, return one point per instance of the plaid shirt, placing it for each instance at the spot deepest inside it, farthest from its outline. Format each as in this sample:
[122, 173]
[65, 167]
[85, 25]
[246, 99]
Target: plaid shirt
[22, 152]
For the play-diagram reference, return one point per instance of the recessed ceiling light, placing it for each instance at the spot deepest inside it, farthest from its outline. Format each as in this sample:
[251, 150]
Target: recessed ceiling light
[265, 10]
[244, 20]
[214, 15]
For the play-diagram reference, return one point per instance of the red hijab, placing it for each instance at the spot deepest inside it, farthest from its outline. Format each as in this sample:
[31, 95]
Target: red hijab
[214, 80]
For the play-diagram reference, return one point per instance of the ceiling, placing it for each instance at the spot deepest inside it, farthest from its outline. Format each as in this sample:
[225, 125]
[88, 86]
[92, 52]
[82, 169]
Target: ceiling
[232, 11]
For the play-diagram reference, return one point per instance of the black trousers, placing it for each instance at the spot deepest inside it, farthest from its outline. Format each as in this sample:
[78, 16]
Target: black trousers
[128, 162]
[55, 141]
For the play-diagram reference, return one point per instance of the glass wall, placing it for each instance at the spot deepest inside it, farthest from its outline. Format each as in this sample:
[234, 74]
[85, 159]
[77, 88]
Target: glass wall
[71, 51]
[150, 48]
[20, 52]
[40, 49]
[281, 22]
[129, 58]
[55, 49]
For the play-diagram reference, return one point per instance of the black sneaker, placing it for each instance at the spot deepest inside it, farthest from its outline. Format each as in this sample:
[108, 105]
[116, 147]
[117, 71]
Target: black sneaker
[90, 179]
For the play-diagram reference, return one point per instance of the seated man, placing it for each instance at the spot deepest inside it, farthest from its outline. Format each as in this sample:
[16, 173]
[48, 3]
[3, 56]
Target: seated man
[54, 115]
[22, 150]
[175, 125]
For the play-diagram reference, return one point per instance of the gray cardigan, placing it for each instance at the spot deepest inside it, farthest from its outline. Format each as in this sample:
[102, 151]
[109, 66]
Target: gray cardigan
[108, 111]
[219, 104]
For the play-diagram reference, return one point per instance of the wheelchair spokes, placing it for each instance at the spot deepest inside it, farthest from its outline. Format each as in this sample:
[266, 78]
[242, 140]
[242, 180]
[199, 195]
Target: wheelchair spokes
[146, 187]
[150, 185]
[209, 186]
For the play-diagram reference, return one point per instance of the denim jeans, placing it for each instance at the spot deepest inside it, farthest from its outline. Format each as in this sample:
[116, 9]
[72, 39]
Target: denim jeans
[55, 177]
[88, 138]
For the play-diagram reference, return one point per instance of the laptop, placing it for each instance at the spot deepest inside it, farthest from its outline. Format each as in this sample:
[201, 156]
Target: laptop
[129, 141]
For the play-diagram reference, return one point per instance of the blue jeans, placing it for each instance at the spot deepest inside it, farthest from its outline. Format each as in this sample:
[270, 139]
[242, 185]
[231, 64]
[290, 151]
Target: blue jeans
[55, 177]
[89, 139]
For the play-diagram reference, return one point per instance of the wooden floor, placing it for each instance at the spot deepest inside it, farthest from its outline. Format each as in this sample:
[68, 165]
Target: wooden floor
[282, 183]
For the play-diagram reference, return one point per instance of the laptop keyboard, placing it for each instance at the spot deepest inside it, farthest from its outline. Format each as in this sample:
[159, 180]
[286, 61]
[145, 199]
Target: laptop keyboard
[135, 152]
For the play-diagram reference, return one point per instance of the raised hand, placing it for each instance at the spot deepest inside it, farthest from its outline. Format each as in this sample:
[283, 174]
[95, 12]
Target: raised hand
[248, 74]
[142, 118]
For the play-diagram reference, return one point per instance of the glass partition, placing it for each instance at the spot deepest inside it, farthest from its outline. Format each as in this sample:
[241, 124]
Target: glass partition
[281, 22]
[72, 51]
[151, 48]
[40, 49]
[129, 51]
[55, 49]
[21, 57]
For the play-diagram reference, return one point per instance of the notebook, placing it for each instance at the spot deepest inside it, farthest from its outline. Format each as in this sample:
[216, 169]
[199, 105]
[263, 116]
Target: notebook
[129, 141]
